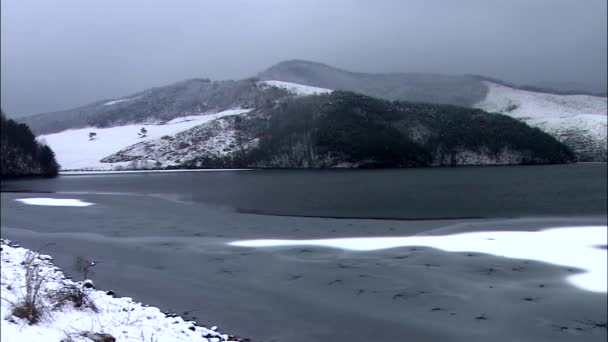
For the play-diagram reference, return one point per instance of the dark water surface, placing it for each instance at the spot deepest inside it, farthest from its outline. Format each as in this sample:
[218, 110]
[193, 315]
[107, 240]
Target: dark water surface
[161, 238]
[439, 193]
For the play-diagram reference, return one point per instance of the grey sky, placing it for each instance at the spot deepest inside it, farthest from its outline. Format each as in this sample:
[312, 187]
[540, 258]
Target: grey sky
[63, 53]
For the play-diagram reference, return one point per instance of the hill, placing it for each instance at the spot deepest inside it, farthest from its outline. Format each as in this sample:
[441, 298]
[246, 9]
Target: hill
[577, 119]
[417, 87]
[21, 154]
[160, 104]
[343, 129]
[277, 123]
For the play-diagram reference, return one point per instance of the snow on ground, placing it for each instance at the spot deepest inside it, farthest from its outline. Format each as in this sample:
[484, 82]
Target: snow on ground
[216, 139]
[592, 124]
[119, 101]
[76, 173]
[578, 247]
[529, 104]
[58, 202]
[122, 318]
[579, 121]
[74, 150]
[298, 89]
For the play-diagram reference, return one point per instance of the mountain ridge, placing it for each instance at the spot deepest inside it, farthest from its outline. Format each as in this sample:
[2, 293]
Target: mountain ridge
[192, 97]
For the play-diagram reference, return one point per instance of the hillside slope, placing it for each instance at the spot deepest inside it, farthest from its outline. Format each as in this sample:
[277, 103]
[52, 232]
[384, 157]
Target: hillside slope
[161, 104]
[579, 121]
[343, 129]
[77, 151]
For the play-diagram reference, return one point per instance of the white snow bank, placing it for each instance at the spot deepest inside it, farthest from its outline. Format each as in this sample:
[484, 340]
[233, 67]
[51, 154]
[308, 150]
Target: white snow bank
[122, 318]
[74, 150]
[529, 104]
[298, 89]
[76, 173]
[119, 101]
[572, 247]
[60, 202]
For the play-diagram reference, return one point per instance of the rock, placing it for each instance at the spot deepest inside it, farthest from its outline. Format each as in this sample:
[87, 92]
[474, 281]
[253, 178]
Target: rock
[98, 337]
[88, 284]
[110, 293]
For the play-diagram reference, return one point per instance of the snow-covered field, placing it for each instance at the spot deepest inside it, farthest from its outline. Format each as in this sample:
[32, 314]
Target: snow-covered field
[579, 247]
[529, 104]
[297, 89]
[75, 151]
[580, 121]
[217, 138]
[122, 318]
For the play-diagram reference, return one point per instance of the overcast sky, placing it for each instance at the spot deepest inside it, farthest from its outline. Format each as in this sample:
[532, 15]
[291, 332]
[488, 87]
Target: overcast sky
[63, 53]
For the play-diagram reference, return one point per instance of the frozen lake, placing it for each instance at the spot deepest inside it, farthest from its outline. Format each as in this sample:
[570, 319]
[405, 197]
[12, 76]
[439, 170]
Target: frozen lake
[164, 238]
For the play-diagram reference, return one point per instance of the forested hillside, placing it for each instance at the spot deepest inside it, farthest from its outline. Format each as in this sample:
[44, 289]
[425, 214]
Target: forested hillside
[344, 129]
[21, 154]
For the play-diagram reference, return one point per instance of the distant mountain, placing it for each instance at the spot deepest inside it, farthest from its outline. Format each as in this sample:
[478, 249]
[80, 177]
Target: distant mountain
[21, 155]
[577, 119]
[573, 87]
[416, 87]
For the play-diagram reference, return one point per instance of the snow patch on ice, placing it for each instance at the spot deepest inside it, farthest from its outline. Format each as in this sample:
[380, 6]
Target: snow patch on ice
[571, 247]
[59, 202]
[297, 89]
[75, 151]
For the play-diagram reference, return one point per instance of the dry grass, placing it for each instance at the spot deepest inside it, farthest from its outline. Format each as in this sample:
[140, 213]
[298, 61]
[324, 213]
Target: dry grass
[31, 306]
[74, 294]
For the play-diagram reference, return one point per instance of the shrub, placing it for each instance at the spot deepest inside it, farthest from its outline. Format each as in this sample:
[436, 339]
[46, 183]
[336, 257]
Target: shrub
[31, 306]
[77, 295]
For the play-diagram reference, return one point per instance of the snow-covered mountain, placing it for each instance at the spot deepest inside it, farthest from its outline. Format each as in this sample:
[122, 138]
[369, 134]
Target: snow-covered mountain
[198, 122]
[166, 142]
[579, 121]
[297, 89]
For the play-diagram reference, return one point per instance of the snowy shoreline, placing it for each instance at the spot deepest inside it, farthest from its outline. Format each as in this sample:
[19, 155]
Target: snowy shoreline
[101, 315]
[103, 172]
